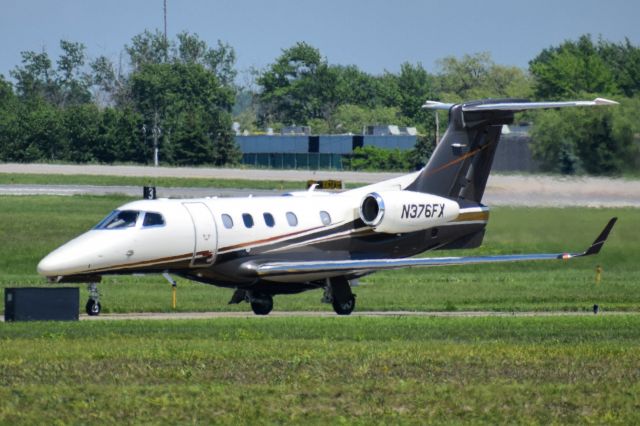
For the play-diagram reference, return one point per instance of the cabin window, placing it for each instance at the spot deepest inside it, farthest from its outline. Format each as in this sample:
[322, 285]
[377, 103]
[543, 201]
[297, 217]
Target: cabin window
[152, 219]
[268, 219]
[292, 219]
[325, 218]
[227, 221]
[119, 219]
[248, 220]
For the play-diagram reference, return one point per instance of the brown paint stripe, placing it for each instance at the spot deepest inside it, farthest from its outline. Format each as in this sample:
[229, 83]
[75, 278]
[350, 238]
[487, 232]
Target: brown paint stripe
[464, 217]
[267, 240]
[188, 256]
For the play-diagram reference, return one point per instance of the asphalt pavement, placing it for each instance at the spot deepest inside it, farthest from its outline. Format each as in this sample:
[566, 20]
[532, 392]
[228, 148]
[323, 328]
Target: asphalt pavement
[502, 190]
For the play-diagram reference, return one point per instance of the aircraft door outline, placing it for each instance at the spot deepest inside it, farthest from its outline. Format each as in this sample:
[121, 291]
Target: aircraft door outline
[205, 233]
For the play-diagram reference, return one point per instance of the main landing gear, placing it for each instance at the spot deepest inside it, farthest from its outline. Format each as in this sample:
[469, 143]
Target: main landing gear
[338, 293]
[261, 303]
[93, 306]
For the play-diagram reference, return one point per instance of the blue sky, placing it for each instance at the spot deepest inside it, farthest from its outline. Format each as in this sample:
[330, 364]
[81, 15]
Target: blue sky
[375, 35]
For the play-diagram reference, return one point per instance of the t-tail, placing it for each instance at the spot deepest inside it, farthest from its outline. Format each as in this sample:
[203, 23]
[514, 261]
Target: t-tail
[459, 166]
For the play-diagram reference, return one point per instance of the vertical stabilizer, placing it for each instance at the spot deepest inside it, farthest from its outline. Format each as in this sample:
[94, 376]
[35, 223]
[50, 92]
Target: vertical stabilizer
[460, 165]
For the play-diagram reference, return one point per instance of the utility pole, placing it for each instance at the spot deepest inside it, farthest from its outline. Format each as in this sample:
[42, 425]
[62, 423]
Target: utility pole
[156, 134]
[166, 46]
[437, 127]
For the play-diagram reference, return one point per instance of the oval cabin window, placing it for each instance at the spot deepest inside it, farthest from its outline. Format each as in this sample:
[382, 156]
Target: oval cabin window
[325, 218]
[292, 219]
[248, 220]
[268, 220]
[227, 221]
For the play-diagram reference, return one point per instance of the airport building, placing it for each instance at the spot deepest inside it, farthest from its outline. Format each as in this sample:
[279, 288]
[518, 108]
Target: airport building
[297, 148]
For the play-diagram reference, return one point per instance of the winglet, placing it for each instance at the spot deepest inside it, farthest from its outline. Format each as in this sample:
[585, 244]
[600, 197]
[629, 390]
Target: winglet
[599, 242]
[437, 105]
[603, 101]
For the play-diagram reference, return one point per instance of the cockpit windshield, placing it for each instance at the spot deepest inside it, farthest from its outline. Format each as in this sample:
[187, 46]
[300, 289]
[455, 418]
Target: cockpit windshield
[119, 219]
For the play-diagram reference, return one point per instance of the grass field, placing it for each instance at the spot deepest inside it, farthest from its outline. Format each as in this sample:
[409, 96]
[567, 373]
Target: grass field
[32, 226]
[171, 182]
[336, 370]
[323, 371]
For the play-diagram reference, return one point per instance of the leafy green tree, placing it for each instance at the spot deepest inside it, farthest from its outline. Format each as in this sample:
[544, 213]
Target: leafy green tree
[35, 79]
[82, 125]
[579, 140]
[6, 92]
[291, 87]
[148, 48]
[121, 137]
[415, 86]
[353, 118]
[477, 76]
[421, 153]
[41, 134]
[73, 83]
[571, 69]
[624, 62]
[374, 158]
[355, 87]
[66, 85]
[9, 125]
[189, 99]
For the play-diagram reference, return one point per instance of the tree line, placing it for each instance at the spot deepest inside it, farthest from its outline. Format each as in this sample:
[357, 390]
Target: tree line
[183, 93]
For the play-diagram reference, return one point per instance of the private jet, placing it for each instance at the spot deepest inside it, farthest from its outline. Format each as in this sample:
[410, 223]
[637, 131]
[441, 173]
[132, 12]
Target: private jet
[266, 246]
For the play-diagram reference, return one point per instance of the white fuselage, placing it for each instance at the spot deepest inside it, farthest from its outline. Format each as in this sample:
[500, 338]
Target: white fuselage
[195, 232]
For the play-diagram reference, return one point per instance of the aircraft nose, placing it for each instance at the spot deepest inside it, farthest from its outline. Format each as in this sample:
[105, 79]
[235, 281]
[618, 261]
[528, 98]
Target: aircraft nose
[59, 262]
[74, 257]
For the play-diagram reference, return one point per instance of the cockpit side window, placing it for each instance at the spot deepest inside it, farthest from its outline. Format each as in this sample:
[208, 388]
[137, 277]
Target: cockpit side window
[119, 219]
[152, 219]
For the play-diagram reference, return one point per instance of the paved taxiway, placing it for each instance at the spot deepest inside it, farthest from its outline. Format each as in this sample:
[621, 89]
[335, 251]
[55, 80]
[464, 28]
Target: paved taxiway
[324, 314]
[512, 190]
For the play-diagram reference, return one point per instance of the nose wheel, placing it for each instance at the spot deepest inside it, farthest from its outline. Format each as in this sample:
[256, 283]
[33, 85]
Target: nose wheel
[93, 306]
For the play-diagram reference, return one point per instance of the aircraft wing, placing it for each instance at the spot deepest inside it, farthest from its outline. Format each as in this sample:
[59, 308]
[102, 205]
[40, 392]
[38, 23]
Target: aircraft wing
[369, 265]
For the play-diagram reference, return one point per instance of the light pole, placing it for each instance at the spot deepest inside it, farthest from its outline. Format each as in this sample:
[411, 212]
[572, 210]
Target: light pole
[156, 132]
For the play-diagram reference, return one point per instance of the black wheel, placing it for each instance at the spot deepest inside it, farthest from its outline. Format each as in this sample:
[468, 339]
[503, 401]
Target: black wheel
[346, 307]
[93, 308]
[262, 304]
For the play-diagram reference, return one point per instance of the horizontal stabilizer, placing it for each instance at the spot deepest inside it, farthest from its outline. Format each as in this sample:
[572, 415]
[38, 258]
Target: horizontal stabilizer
[511, 105]
[370, 265]
[523, 106]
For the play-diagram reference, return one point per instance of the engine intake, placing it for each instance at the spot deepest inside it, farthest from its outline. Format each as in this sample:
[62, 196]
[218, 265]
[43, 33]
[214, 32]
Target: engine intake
[406, 211]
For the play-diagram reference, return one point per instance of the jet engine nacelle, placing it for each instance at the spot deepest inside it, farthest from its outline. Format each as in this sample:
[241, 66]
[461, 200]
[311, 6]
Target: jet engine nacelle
[397, 212]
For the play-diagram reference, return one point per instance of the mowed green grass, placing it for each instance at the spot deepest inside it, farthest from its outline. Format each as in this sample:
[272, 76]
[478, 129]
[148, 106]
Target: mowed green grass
[171, 182]
[31, 226]
[353, 370]
[332, 370]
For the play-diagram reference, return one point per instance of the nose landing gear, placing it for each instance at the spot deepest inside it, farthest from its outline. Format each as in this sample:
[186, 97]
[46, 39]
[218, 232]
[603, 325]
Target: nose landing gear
[93, 306]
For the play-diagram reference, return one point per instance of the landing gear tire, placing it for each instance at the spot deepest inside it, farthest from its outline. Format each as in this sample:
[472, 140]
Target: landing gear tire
[346, 307]
[93, 308]
[262, 304]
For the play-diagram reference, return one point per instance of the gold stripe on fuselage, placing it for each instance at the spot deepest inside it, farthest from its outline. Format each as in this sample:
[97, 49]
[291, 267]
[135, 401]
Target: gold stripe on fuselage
[472, 216]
